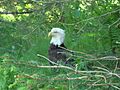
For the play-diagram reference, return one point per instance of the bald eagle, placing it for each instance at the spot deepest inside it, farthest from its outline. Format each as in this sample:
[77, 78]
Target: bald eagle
[57, 51]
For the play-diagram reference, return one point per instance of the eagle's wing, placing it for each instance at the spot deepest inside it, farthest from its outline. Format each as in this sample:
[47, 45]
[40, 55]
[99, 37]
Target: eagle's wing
[58, 54]
[68, 56]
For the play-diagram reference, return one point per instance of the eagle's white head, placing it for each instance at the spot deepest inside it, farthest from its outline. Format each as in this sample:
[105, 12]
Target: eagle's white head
[58, 35]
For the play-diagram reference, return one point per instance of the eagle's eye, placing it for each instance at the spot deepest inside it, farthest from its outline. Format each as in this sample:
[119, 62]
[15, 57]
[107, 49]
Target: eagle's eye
[55, 32]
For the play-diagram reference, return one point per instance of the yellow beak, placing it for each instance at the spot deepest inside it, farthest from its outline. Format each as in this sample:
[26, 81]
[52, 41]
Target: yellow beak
[49, 34]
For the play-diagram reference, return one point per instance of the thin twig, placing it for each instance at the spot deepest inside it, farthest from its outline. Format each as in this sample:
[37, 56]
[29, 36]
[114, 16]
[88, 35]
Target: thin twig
[114, 23]
[102, 69]
[116, 65]
[76, 52]
[93, 84]
[115, 87]
[91, 57]
[39, 55]
[102, 84]
[82, 27]
[24, 12]
[102, 76]
[96, 17]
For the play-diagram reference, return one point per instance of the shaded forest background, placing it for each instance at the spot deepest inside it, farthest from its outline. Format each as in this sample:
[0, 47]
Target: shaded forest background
[92, 28]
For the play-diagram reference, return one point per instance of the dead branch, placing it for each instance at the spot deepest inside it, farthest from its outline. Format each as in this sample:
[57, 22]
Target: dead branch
[77, 78]
[66, 67]
[39, 55]
[115, 87]
[91, 57]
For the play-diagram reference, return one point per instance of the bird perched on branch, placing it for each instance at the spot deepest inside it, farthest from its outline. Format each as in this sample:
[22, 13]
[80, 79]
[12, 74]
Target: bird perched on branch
[57, 51]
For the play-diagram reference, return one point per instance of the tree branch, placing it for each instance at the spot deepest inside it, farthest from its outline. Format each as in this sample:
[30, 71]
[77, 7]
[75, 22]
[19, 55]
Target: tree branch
[77, 78]
[24, 12]
[68, 68]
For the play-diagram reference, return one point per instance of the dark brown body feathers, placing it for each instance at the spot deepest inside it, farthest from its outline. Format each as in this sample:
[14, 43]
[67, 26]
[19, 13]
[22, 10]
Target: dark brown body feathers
[56, 53]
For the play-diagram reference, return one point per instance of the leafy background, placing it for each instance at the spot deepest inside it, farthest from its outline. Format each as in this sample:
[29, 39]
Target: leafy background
[92, 27]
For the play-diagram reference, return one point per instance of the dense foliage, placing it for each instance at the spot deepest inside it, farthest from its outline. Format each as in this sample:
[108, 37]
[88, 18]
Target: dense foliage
[92, 32]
